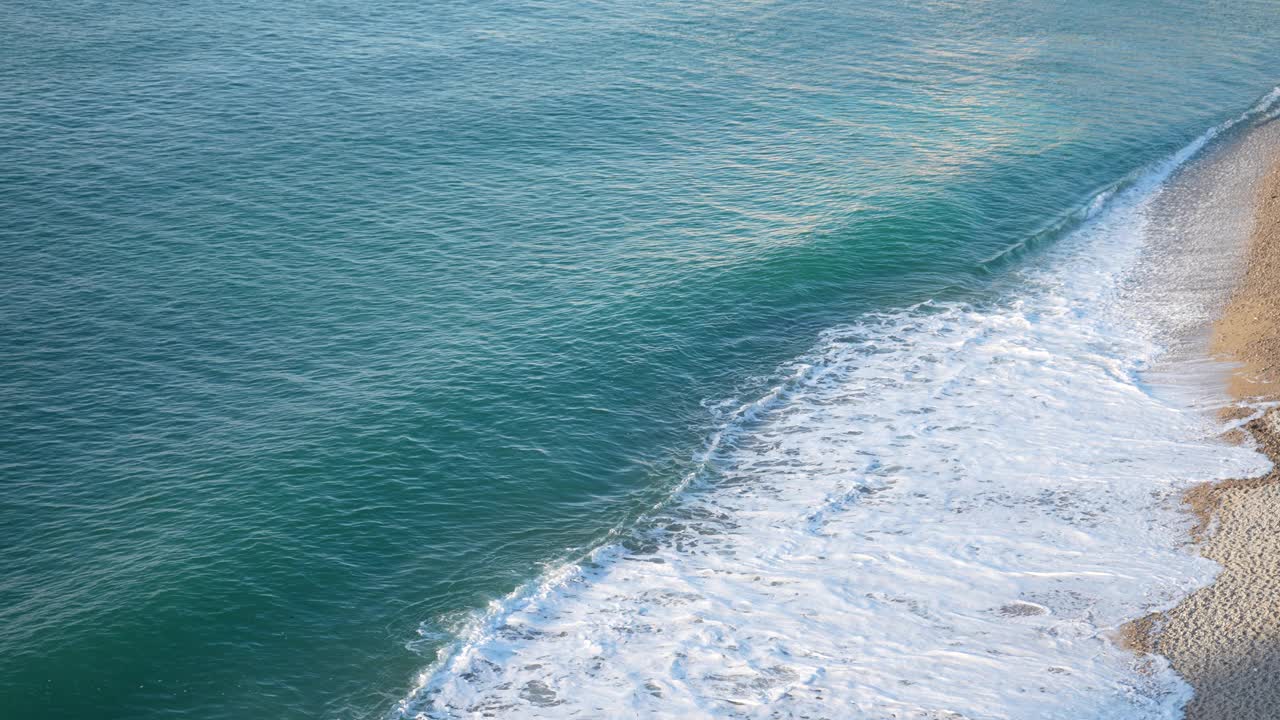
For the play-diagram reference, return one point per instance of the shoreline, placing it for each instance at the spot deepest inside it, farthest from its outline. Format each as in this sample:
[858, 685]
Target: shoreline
[1224, 639]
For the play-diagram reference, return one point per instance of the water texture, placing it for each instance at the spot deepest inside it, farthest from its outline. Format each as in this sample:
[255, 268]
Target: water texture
[324, 326]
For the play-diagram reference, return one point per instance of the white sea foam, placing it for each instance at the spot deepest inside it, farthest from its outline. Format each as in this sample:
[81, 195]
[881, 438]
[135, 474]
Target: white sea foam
[942, 513]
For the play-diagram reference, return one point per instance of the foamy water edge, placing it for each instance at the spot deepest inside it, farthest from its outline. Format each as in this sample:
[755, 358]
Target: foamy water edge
[922, 518]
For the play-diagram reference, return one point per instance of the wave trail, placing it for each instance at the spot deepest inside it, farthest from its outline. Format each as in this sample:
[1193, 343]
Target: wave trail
[1143, 180]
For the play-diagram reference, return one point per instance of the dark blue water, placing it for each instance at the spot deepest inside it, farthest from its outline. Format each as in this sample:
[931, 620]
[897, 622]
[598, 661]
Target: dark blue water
[324, 324]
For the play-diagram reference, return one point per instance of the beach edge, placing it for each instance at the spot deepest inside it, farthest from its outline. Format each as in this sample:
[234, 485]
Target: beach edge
[1224, 639]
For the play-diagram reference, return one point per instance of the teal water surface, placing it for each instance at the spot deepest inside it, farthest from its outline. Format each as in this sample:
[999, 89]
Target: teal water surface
[325, 324]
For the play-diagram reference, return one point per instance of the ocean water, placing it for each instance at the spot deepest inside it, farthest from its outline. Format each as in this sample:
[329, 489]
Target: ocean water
[770, 359]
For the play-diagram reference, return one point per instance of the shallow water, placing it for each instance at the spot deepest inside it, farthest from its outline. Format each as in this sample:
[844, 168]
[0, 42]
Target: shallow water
[326, 326]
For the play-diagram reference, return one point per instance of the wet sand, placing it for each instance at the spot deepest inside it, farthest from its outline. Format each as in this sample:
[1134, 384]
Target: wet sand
[1225, 638]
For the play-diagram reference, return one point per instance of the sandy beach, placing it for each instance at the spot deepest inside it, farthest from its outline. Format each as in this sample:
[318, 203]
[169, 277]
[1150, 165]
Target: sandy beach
[1225, 638]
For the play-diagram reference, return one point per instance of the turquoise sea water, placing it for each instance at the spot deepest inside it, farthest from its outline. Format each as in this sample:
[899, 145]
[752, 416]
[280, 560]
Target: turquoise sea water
[323, 325]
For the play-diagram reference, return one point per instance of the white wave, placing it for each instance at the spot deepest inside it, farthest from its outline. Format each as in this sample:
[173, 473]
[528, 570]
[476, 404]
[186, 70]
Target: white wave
[942, 513]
